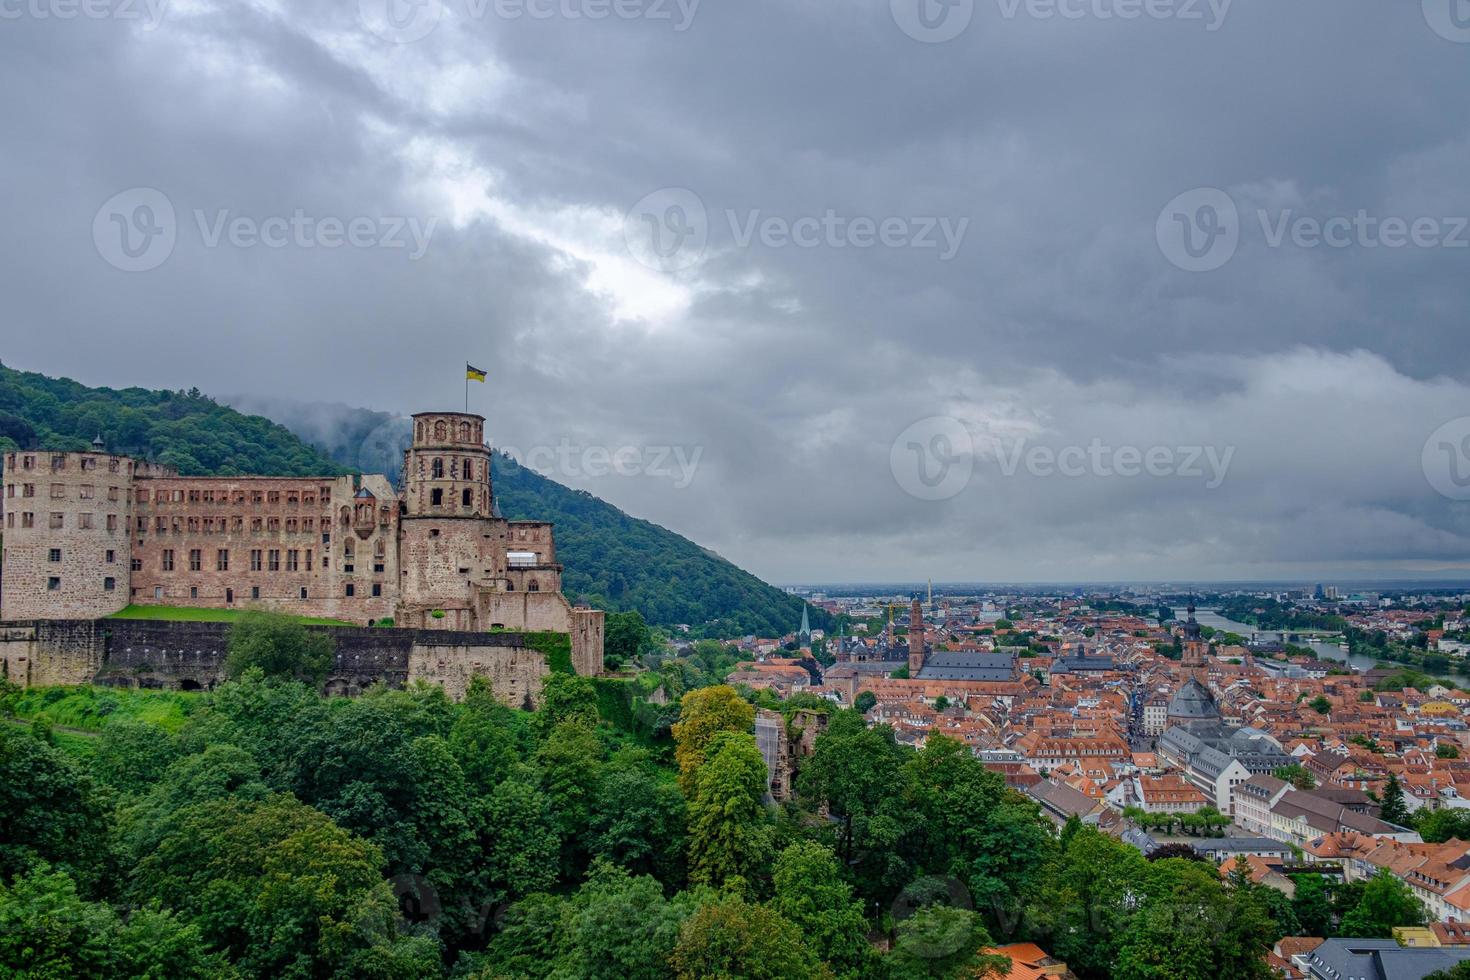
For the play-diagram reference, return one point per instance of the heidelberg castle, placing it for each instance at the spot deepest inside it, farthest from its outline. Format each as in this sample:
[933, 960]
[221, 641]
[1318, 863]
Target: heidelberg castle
[89, 533]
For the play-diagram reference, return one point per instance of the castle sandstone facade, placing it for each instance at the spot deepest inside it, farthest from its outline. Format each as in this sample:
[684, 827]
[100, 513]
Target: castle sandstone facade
[88, 533]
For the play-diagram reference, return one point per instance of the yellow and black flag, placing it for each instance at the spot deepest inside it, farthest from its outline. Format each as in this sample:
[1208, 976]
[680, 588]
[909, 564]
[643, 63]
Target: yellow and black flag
[473, 373]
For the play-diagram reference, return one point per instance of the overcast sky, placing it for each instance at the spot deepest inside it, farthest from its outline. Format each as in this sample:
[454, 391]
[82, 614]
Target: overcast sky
[847, 289]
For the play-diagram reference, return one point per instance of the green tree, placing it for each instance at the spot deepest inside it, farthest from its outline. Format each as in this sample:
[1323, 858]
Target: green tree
[1438, 826]
[703, 714]
[1312, 905]
[279, 646]
[729, 837]
[282, 889]
[864, 701]
[566, 697]
[1297, 775]
[1191, 927]
[1321, 705]
[943, 942]
[1086, 902]
[811, 892]
[47, 930]
[625, 637]
[50, 810]
[854, 771]
[639, 820]
[1460, 971]
[1386, 903]
[619, 926]
[732, 939]
[1392, 807]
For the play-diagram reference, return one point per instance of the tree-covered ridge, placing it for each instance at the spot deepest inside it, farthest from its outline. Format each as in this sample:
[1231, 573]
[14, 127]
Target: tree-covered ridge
[186, 430]
[618, 562]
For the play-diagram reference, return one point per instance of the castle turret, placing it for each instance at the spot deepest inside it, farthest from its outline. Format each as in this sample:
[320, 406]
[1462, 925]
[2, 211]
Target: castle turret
[916, 638]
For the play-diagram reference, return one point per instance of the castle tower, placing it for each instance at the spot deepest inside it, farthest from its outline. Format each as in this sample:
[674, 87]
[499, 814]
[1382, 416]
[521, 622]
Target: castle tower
[449, 541]
[67, 534]
[916, 638]
[446, 471]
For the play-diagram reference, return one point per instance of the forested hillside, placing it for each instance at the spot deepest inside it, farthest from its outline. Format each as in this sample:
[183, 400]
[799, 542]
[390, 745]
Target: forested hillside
[183, 429]
[613, 561]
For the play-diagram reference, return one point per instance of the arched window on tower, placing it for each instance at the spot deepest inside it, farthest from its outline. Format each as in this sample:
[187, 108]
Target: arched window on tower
[535, 586]
[464, 432]
[440, 431]
[418, 432]
[465, 497]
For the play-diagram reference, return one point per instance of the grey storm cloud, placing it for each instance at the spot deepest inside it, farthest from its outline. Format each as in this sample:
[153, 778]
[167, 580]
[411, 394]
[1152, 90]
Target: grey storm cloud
[773, 235]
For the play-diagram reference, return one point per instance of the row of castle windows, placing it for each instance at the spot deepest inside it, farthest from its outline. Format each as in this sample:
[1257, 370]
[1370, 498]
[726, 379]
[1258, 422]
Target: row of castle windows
[53, 583]
[56, 521]
[437, 469]
[236, 524]
[58, 491]
[293, 498]
[441, 431]
[377, 590]
[58, 463]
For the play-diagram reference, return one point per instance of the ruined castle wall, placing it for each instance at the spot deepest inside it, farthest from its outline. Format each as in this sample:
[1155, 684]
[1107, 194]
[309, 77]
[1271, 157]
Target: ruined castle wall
[66, 542]
[307, 547]
[515, 672]
[49, 653]
[587, 635]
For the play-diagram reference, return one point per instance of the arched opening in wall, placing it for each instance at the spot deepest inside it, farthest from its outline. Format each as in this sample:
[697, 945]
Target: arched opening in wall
[440, 431]
[418, 432]
[535, 586]
[464, 432]
[188, 685]
[510, 586]
[465, 497]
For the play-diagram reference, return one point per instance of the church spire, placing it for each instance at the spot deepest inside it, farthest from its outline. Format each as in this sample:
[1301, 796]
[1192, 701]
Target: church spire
[806, 626]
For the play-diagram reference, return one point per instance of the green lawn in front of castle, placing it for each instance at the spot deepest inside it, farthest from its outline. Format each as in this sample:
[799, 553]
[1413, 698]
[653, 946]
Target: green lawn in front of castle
[187, 614]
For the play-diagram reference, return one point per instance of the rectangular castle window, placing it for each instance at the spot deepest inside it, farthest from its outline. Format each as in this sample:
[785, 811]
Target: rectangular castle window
[351, 590]
[111, 557]
[84, 521]
[112, 522]
[109, 584]
[53, 583]
[255, 592]
[255, 559]
[196, 559]
[112, 466]
[293, 559]
[54, 554]
[28, 463]
[168, 559]
[86, 492]
[377, 589]
[28, 490]
[58, 521]
[58, 491]
[275, 560]
[137, 564]
[193, 592]
[112, 493]
[222, 560]
[303, 593]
